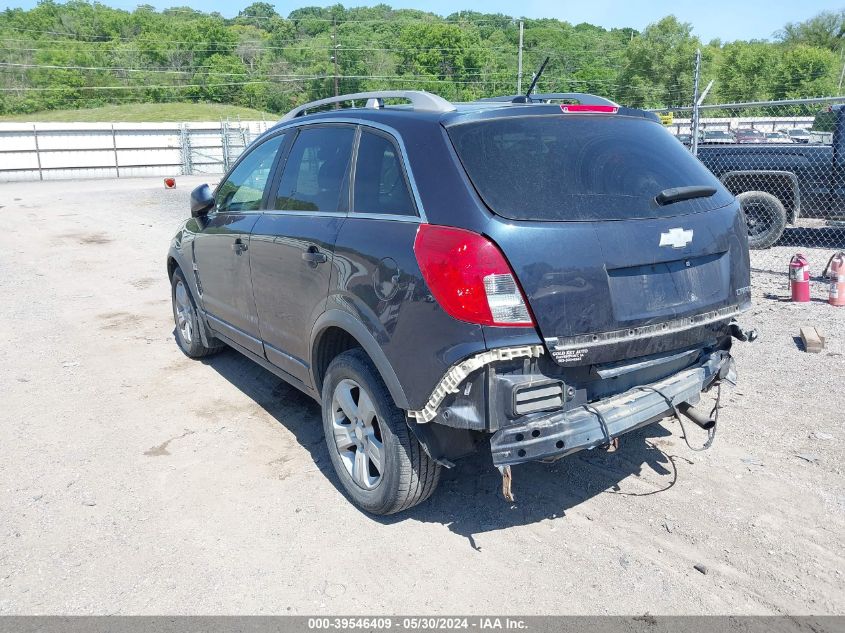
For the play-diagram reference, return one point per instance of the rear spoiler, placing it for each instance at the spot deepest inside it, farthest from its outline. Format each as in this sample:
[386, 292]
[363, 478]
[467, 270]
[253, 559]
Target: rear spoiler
[507, 107]
[547, 97]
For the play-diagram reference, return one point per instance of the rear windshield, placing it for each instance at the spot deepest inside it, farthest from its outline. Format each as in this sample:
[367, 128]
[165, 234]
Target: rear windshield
[570, 167]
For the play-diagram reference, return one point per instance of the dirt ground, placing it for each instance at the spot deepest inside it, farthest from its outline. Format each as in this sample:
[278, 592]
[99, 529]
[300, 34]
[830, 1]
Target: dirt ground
[136, 481]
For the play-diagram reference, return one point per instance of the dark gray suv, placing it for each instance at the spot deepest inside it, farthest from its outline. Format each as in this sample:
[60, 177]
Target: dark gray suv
[542, 274]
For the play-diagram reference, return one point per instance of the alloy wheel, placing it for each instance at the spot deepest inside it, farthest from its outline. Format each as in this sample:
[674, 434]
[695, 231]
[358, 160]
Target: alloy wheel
[357, 434]
[184, 313]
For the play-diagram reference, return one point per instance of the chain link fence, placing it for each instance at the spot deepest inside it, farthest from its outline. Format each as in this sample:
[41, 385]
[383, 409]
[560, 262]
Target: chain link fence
[785, 162]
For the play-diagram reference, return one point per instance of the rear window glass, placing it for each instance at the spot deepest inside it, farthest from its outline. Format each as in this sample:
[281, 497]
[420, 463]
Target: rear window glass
[589, 167]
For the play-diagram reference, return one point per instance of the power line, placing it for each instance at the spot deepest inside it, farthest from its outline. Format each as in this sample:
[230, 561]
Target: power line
[566, 54]
[477, 71]
[142, 87]
[468, 71]
[481, 76]
[114, 39]
[259, 44]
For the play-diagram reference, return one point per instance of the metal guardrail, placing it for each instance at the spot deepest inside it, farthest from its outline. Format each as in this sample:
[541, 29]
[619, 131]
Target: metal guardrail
[47, 151]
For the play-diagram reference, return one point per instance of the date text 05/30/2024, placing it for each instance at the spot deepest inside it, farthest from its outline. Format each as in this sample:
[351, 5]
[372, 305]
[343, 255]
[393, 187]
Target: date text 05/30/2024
[481, 623]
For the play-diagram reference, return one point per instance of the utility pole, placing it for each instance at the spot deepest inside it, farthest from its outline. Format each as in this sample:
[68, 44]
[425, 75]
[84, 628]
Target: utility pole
[335, 47]
[519, 72]
[694, 140]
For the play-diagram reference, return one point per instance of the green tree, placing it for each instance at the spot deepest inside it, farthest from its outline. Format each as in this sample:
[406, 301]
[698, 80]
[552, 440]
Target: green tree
[805, 71]
[258, 14]
[825, 30]
[221, 79]
[746, 71]
[75, 54]
[659, 65]
[444, 55]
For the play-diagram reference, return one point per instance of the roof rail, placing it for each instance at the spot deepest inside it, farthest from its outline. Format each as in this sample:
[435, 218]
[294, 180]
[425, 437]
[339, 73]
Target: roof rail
[581, 97]
[420, 100]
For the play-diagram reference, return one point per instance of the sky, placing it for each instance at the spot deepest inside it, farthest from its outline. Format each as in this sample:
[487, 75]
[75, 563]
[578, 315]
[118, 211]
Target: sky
[723, 19]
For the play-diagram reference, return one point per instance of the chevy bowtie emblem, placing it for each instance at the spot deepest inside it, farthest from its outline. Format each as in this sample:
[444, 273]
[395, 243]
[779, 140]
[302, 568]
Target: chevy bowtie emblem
[676, 238]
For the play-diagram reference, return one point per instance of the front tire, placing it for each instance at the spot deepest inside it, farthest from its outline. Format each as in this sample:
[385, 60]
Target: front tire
[186, 317]
[381, 465]
[765, 216]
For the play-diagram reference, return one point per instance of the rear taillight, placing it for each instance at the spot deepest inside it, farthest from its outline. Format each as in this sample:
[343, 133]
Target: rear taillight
[469, 277]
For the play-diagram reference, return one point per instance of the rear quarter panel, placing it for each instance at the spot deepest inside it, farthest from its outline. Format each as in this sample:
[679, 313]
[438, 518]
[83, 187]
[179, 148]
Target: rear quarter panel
[376, 279]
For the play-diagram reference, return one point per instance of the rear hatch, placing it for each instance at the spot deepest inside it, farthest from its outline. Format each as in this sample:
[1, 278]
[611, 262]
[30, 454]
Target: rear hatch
[609, 271]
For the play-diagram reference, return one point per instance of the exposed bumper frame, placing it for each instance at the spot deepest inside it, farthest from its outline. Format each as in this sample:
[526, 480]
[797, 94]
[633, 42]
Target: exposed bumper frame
[457, 373]
[560, 433]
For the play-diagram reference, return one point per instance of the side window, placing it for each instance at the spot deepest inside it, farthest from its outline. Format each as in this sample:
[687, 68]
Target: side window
[316, 176]
[244, 188]
[380, 185]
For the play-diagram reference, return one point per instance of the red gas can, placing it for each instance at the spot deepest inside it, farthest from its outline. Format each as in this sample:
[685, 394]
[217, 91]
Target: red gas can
[799, 278]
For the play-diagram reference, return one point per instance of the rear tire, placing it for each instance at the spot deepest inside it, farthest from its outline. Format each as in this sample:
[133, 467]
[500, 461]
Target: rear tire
[186, 317]
[381, 465]
[765, 216]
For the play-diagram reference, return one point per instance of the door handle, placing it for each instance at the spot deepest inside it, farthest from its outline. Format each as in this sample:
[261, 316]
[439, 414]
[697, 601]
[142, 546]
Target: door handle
[239, 246]
[313, 256]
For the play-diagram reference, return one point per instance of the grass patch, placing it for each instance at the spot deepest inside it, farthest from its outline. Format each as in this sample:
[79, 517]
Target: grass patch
[146, 112]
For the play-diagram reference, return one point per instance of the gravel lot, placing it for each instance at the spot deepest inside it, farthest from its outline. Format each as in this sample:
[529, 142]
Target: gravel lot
[136, 481]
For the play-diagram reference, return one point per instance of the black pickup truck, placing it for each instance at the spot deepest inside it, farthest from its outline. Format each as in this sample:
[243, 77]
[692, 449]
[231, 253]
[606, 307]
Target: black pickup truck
[778, 184]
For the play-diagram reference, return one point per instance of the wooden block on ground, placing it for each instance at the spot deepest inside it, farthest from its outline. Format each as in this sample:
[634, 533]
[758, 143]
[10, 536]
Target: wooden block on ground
[813, 340]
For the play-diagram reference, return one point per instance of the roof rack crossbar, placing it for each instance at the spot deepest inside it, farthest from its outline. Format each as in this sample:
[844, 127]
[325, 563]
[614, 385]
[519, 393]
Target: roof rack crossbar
[581, 97]
[420, 100]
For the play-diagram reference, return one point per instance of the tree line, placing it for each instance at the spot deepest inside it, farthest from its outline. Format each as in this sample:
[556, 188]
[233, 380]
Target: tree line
[84, 54]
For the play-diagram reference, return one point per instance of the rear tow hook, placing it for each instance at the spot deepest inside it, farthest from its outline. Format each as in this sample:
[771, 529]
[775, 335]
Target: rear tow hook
[746, 336]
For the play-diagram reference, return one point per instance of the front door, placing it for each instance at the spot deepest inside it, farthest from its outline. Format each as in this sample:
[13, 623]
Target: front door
[221, 249]
[292, 246]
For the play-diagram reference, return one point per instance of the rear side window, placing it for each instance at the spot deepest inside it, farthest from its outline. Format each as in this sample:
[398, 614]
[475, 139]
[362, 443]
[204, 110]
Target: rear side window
[570, 167]
[380, 185]
[316, 175]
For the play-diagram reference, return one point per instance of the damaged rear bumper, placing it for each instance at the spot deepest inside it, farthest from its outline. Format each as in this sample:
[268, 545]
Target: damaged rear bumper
[559, 433]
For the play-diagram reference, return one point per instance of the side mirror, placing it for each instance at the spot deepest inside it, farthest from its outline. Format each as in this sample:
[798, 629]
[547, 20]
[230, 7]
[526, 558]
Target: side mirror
[201, 201]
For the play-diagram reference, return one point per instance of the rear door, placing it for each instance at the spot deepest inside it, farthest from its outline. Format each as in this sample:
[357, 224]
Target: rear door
[292, 245]
[574, 198]
[221, 249]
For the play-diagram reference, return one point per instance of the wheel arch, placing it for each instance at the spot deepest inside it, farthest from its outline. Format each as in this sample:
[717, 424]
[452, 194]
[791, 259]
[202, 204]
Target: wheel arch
[335, 332]
[783, 185]
[172, 265]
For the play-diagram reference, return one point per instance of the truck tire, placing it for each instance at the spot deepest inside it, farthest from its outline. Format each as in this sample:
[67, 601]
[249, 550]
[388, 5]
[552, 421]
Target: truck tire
[381, 465]
[765, 216]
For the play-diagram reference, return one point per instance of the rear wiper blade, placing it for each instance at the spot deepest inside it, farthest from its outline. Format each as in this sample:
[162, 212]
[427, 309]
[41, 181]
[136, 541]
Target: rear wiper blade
[677, 194]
